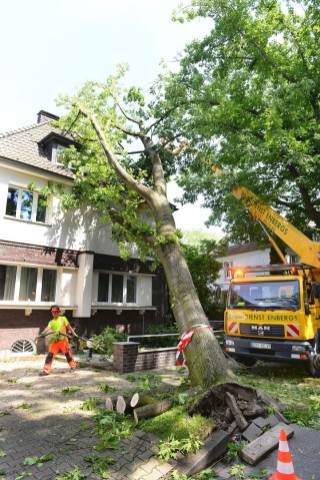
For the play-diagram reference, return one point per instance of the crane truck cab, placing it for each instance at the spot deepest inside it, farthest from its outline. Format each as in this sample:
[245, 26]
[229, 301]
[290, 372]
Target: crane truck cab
[273, 313]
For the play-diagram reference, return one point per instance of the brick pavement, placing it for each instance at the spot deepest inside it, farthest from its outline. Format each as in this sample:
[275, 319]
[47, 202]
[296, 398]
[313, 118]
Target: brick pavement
[37, 419]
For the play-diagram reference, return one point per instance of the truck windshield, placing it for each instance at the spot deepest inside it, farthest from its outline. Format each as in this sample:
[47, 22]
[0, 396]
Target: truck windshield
[264, 294]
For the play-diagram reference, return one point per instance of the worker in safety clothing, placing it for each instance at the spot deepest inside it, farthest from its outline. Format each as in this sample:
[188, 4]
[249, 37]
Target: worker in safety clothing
[58, 343]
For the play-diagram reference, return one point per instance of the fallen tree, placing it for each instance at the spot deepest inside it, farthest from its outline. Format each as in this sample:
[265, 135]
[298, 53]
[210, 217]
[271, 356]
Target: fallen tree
[129, 189]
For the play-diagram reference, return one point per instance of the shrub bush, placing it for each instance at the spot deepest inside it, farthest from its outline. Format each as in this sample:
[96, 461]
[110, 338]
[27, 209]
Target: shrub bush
[103, 343]
[161, 342]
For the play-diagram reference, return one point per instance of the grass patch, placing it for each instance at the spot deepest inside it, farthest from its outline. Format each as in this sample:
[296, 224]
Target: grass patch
[146, 382]
[177, 422]
[70, 390]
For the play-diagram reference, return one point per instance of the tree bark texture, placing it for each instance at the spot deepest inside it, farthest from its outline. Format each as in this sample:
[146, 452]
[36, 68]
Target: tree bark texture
[206, 362]
[140, 400]
[205, 359]
[153, 410]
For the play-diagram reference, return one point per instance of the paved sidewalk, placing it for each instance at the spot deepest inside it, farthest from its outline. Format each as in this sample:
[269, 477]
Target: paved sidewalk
[37, 419]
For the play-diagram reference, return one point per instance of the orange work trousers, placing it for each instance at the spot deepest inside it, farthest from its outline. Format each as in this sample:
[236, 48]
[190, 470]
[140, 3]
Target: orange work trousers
[56, 347]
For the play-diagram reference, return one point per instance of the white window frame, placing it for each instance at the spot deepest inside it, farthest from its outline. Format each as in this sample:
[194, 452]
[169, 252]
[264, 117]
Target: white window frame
[37, 299]
[124, 289]
[35, 201]
[227, 266]
[56, 149]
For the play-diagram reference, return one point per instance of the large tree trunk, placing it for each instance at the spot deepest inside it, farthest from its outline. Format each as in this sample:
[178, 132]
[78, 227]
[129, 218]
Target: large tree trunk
[205, 359]
[206, 362]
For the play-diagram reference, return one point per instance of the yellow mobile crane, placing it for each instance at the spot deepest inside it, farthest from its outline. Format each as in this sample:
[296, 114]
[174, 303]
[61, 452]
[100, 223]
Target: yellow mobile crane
[273, 311]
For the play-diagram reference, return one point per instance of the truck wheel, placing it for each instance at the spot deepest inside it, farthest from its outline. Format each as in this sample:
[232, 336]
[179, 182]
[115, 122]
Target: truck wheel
[314, 363]
[246, 361]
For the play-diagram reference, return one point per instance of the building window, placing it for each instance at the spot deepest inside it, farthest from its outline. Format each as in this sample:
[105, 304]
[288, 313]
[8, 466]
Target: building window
[30, 206]
[26, 205]
[57, 150]
[117, 288]
[48, 288]
[131, 289]
[12, 201]
[292, 258]
[7, 282]
[227, 266]
[27, 284]
[41, 209]
[103, 288]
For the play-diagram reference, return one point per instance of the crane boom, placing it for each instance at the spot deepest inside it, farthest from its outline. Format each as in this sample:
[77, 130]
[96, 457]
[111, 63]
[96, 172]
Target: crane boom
[308, 251]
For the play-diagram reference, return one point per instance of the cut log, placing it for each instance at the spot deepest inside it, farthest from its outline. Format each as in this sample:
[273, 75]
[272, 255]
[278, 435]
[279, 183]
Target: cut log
[239, 418]
[111, 401]
[140, 400]
[153, 410]
[123, 405]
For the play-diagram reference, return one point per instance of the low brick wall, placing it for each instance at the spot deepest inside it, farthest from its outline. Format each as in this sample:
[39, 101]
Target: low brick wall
[127, 358]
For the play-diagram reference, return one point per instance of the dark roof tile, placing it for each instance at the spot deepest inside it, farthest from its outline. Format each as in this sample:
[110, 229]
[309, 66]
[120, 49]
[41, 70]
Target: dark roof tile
[24, 145]
[243, 248]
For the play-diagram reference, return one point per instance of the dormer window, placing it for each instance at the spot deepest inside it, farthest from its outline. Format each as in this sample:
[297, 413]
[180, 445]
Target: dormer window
[57, 149]
[54, 144]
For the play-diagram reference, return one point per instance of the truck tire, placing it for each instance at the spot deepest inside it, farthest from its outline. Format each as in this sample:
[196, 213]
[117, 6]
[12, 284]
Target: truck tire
[314, 363]
[246, 361]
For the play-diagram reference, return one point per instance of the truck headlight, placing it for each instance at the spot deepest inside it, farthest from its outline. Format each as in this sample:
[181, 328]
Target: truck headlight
[230, 343]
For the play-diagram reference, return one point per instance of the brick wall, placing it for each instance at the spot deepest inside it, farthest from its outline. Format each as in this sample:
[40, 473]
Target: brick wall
[22, 252]
[127, 358]
[15, 325]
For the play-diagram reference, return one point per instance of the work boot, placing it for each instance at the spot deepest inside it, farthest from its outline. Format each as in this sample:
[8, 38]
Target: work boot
[43, 374]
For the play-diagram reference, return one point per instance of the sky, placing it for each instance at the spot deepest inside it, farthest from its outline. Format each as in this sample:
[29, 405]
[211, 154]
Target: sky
[52, 48]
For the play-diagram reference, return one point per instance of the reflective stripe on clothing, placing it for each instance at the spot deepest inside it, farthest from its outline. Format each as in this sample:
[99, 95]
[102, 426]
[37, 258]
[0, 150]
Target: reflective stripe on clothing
[56, 347]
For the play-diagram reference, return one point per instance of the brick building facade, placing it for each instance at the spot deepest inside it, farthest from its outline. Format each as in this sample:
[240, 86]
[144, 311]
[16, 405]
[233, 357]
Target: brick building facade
[49, 256]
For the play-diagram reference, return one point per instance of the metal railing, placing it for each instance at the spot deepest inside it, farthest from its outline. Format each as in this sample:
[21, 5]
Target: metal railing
[155, 335]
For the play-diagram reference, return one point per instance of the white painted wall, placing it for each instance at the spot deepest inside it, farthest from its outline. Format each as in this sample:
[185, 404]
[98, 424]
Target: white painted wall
[248, 259]
[66, 286]
[84, 285]
[80, 230]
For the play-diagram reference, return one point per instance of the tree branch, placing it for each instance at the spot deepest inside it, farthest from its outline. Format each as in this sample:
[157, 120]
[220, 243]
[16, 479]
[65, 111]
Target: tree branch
[142, 190]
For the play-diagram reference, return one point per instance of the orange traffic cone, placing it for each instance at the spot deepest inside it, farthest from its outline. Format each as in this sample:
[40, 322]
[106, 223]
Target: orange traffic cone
[284, 466]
